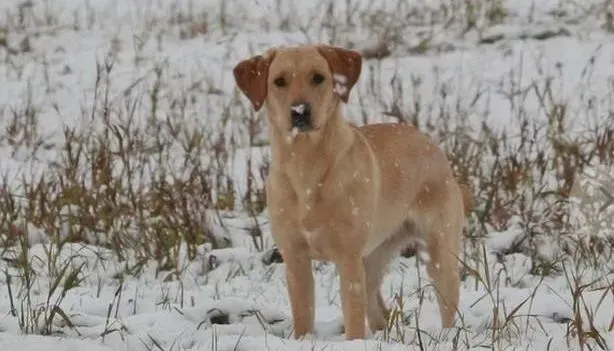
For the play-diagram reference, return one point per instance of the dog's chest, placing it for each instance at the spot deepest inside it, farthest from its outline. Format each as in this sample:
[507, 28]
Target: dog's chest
[321, 247]
[317, 223]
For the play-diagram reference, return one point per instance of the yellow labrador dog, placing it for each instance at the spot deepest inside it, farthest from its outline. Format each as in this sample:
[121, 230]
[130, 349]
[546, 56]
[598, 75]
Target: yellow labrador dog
[354, 196]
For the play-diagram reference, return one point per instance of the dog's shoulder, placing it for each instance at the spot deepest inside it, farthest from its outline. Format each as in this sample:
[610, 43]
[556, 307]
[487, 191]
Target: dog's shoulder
[387, 127]
[399, 134]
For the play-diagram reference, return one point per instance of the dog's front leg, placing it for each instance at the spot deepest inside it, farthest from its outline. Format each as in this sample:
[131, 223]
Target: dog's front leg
[353, 295]
[301, 291]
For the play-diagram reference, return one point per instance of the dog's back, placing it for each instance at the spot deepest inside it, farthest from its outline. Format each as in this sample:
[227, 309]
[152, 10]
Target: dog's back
[414, 170]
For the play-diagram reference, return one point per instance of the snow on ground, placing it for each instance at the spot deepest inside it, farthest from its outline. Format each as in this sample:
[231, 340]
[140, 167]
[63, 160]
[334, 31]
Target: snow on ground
[230, 299]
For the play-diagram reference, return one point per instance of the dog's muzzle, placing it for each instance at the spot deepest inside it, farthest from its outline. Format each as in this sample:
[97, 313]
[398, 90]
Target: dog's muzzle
[300, 113]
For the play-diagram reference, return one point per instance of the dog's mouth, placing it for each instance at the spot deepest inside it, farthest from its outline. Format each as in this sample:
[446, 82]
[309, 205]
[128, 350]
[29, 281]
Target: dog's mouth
[306, 128]
[296, 131]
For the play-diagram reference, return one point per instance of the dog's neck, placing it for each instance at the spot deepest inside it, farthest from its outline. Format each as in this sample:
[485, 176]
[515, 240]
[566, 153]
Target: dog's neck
[307, 158]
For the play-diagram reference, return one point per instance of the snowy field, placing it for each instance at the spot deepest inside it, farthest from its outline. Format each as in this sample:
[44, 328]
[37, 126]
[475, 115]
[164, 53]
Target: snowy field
[132, 212]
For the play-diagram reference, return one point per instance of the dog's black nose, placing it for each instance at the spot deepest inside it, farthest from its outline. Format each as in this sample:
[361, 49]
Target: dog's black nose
[300, 113]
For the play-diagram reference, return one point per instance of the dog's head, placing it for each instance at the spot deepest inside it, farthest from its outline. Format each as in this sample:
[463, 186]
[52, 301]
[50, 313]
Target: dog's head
[300, 86]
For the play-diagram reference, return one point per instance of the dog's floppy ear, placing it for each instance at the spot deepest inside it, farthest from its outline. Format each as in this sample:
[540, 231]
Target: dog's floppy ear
[251, 77]
[345, 65]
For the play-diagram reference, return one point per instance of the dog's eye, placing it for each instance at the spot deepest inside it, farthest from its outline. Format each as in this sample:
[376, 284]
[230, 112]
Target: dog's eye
[280, 82]
[317, 79]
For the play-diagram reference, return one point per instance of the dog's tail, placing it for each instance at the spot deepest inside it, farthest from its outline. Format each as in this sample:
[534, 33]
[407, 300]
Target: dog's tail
[468, 200]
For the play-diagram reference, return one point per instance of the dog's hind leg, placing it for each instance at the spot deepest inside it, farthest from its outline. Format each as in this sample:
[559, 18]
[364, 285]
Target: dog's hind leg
[376, 264]
[443, 245]
[375, 268]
